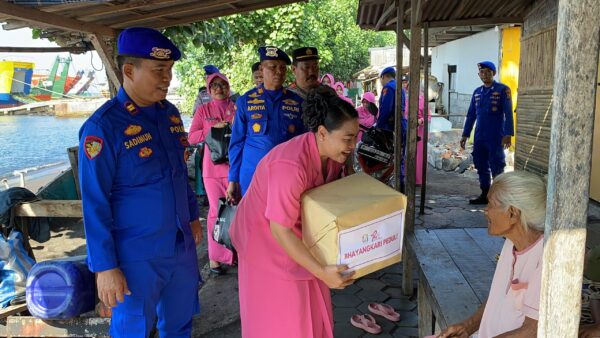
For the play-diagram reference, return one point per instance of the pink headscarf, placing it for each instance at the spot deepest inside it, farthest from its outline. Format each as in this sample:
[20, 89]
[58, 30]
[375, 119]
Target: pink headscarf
[370, 97]
[339, 85]
[210, 79]
[331, 79]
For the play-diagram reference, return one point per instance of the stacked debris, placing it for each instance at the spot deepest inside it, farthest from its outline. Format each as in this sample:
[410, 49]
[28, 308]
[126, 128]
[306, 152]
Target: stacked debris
[444, 152]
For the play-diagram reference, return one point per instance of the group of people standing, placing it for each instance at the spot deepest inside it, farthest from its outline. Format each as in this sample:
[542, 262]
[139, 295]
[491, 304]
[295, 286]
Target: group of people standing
[142, 220]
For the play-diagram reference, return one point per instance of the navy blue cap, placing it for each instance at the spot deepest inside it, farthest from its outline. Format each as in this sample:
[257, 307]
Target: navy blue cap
[210, 69]
[146, 43]
[405, 77]
[273, 53]
[487, 64]
[305, 54]
[387, 70]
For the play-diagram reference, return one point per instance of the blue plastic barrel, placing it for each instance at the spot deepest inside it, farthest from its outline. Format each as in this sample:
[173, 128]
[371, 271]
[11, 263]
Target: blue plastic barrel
[60, 289]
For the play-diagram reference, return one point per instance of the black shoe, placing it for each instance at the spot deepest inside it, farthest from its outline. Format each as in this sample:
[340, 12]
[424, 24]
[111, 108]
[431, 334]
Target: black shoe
[482, 199]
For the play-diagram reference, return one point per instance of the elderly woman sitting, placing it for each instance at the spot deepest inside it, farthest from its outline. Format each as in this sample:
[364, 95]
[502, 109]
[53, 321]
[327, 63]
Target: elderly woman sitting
[516, 211]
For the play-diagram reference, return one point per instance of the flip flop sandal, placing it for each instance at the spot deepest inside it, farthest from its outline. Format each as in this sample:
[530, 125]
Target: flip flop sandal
[218, 271]
[385, 311]
[365, 322]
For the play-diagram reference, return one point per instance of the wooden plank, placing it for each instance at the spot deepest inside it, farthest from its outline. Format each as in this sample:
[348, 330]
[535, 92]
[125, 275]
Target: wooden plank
[426, 320]
[113, 9]
[473, 263]
[12, 309]
[475, 21]
[25, 326]
[453, 299]
[38, 18]
[389, 9]
[50, 208]
[575, 81]
[106, 55]
[492, 246]
[77, 50]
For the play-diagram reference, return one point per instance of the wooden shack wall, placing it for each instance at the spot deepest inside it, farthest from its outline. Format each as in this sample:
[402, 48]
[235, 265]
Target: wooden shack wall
[536, 77]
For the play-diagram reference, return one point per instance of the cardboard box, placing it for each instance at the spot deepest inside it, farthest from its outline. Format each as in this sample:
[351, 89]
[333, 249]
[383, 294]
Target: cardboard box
[357, 221]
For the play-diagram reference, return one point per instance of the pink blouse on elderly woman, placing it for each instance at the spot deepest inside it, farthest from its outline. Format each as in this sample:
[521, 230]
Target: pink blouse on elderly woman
[515, 291]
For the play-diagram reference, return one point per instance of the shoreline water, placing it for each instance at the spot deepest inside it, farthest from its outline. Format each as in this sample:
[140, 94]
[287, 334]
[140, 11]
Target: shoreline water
[35, 179]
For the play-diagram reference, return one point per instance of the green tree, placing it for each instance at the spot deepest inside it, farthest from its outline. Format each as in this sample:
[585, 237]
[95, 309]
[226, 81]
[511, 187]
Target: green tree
[231, 42]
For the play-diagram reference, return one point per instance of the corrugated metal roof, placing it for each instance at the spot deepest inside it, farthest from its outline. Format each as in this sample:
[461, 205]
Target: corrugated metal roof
[448, 19]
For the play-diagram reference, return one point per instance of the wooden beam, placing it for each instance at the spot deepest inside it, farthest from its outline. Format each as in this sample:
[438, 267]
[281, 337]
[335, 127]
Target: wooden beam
[38, 18]
[107, 8]
[106, 53]
[388, 10]
[77, 50]
[50, 208]
[475, 21]
[575, 76]
[225, 12]
[418, 9]
[425, 139]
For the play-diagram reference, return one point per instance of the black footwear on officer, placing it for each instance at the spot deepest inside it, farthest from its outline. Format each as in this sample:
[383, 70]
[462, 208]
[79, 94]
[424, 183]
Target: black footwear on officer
[481, 199]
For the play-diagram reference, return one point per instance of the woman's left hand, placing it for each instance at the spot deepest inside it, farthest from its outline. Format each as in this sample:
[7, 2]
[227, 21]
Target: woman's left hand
[220, 125]
[420, 121]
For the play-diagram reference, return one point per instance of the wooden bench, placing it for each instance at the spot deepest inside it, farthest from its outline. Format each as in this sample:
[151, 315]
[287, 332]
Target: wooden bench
[50, 208]
[455, 267]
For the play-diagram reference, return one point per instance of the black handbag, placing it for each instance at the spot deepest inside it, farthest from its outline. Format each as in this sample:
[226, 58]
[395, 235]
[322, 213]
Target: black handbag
[224, 218]
[218, 143]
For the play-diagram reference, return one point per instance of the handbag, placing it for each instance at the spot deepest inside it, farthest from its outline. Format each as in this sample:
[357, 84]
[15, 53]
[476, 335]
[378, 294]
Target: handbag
[224, 218]
[218, 143]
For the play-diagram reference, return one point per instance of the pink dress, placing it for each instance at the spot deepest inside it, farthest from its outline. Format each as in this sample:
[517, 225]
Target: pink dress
[365, 118]
[278, 297]
[515, 291]
[214, 175]
[420, 133]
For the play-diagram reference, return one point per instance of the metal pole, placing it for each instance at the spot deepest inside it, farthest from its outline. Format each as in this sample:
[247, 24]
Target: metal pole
[425, 139]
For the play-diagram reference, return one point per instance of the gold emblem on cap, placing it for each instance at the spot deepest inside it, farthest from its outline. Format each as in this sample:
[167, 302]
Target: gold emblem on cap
[309, 51]
[271, 52]
[160, 53]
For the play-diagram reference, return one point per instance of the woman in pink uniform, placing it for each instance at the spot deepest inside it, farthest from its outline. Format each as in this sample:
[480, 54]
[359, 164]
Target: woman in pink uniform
[284, 290]
[219, 111]
[328, 80]
[367, 112]
[340, 89]
[516, 211]
[420, 132]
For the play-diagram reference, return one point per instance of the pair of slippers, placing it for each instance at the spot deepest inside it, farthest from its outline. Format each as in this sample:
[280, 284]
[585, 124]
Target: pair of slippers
[367, 323]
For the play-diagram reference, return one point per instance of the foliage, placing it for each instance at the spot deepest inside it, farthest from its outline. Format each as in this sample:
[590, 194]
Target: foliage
[231, 42]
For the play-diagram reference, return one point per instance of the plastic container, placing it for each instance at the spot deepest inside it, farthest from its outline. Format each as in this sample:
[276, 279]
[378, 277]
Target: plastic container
[61, 288]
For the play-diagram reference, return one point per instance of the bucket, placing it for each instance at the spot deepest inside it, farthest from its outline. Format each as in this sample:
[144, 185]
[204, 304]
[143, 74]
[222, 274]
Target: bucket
[60, 289]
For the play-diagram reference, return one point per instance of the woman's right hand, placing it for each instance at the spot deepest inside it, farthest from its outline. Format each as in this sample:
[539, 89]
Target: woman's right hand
[233, 192]
[333, 277]
[455, 331]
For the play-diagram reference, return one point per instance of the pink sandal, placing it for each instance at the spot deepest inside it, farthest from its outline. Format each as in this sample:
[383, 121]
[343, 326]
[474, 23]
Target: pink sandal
[366, 322]
[385, 311]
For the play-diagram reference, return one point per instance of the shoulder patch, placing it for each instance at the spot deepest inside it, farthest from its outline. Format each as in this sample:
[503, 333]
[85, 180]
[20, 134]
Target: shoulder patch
[93, 146]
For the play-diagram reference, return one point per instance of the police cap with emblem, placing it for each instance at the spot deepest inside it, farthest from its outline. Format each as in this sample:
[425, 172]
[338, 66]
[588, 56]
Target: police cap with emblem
[273, 53]
[388, 70]
[305, 54]
[146, 43]
[487, 64]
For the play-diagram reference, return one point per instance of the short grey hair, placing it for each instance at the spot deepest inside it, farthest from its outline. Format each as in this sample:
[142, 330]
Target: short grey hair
[524, 191]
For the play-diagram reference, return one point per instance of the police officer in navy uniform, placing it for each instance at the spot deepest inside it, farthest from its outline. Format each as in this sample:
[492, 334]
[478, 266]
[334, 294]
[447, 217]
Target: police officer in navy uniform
[140, 214]
[491, 107]
[387, 110]
[265, 117]
[305, 66]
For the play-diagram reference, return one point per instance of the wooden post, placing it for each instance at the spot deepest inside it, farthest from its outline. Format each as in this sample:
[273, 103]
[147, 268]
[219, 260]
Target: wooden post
[425, 115]
[411, 138]
[575, 75]
[105, 51]
[398, 108]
